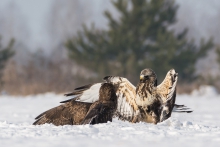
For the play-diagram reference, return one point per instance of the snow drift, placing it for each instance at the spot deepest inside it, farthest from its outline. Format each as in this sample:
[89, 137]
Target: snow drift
[200, 128]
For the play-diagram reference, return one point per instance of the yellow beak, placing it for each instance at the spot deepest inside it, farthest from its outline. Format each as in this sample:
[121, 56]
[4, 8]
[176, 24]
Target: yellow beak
[141, 77]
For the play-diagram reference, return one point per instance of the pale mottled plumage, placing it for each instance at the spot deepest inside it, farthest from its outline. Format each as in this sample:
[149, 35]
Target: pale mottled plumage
[167, 92]
[146, 97]
[157, 102]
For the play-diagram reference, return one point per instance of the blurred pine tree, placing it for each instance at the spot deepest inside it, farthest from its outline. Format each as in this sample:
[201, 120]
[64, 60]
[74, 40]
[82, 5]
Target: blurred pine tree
[5, 54]
[140, 38]
[218, 54]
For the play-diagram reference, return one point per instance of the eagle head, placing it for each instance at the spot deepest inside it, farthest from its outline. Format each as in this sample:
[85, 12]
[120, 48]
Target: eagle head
[148, 75]
[107, 92]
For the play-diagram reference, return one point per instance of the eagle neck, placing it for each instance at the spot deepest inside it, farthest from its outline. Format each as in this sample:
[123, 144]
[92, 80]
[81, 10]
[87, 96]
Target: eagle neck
[145, 94]
[145, 88]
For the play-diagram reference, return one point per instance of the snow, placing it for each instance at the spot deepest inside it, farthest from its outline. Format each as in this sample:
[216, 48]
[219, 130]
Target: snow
[205, 91]
[200, 128]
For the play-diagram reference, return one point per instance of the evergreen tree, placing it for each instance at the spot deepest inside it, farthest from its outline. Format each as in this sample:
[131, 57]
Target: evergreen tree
[218, 54]
[140, 38]
[5, 54]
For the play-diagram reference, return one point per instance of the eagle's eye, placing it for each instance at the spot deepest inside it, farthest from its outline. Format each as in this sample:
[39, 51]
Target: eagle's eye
[146, 77]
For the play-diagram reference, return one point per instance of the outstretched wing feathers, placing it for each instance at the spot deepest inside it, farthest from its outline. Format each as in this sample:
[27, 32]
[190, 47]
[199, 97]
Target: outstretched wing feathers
[167, 93]
[84, 87]
[66, 114]
[54, 115]
[172, 90]
[76, 97]
[126, 108]
[167, 89]
[79, 90]
[88, 93]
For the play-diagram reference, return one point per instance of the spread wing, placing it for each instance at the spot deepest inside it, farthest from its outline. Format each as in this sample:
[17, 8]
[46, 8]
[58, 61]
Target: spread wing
[167, 89]
[88, 93]
[127, 108]
[70, 113]
[125, 91]
[167, 92]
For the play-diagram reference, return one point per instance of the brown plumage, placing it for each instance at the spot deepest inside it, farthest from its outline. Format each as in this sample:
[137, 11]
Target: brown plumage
[75, 113]
[70, 113]
[103, 110]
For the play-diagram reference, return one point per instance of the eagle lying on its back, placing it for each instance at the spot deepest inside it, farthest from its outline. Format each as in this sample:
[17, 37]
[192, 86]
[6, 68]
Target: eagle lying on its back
[116, 96]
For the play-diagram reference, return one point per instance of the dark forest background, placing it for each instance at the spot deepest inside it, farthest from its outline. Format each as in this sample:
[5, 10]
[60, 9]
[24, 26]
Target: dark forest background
[137, 35]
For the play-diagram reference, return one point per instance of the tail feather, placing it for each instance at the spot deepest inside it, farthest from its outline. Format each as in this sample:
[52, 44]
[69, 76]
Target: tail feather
[181, 109]
[179, 106]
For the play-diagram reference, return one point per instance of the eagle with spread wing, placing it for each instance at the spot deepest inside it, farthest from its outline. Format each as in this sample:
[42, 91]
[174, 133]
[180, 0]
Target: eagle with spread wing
[147, 102]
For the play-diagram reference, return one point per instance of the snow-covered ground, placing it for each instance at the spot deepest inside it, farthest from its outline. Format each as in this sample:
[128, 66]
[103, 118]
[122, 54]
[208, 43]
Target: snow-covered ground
[200, 128]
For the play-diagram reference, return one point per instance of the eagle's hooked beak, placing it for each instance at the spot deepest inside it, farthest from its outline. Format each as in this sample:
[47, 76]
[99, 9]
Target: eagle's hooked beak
[141, 77]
